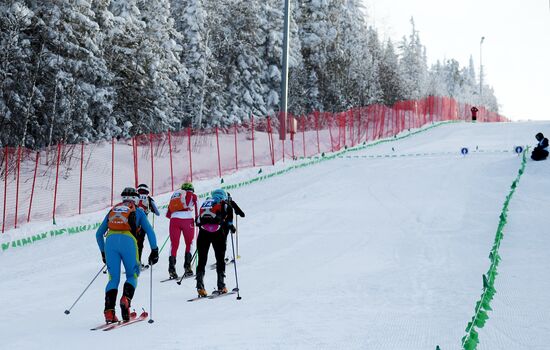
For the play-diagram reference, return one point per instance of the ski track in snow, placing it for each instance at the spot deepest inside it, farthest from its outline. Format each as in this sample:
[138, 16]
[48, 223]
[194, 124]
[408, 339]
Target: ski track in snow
[365, 253]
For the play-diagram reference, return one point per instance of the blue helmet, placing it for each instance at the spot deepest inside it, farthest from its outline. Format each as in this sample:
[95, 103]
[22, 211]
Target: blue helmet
[219, 195]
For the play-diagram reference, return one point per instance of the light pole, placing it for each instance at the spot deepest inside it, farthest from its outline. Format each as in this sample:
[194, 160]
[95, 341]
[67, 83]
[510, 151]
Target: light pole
[284, 79]
[481, 70]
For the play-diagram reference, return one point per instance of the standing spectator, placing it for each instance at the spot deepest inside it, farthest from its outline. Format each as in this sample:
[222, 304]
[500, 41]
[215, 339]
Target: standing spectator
[474, 111]
[540, 152]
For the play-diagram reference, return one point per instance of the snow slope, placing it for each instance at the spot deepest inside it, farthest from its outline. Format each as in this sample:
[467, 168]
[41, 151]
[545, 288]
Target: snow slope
[359, 252]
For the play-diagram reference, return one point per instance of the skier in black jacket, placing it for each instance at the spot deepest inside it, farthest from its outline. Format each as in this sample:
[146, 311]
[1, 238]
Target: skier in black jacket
[540, 152]
[215, 221]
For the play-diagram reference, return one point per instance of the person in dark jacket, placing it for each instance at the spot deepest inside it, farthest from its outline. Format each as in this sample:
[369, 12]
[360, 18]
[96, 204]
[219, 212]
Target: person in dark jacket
[215, 221]
[474, 111]
[540, 152]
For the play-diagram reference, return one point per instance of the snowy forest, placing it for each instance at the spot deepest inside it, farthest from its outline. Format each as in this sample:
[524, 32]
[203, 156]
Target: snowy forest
[89, 70]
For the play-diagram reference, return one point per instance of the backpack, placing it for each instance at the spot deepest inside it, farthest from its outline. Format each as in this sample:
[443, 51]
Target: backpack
[122, 217]
[178, 202]
[212, 212]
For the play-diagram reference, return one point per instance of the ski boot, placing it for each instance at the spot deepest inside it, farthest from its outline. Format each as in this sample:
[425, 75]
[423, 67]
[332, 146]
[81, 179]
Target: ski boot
[110, 316]
[110, 300]
[187, 265]
[126, 300]
[200, 285]
[221, 284]
[172, 267]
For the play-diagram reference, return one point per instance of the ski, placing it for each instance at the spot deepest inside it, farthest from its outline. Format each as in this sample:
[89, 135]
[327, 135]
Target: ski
[133, 315]
[179, 279]
[227, 262]
[197, 298]
[169, 279]
[140, 318]
[214, 295]
[184, 277]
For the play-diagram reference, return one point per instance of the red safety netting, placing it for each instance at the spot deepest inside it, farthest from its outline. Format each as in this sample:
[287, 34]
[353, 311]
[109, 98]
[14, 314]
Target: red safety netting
[65, 180]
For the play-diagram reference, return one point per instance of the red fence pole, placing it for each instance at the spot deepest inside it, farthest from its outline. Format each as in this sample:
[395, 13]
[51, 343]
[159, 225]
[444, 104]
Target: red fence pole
[236, 153]
[330, 132]
[189, 148]
[270, 139]
[292, 133]
[171, 166]
[304, 133]
[253, 154]
[112, 169]
[6, 154]
[219, 158]
[283, 148]
[316, 118]
[17, 185]
[152, 165]
[81, 170]
[56, 180]
[135, 154]
[33, 183]
[359, 127]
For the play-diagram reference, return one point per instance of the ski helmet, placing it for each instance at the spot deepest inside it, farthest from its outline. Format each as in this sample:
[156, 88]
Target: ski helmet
[188, 186]
[143, 189]
[129, 194]
[539, 136]
[219, 195]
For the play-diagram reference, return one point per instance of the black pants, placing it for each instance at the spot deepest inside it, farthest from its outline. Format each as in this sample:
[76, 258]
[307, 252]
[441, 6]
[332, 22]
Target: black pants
[539, 154]
[140, 238]
[218, 240]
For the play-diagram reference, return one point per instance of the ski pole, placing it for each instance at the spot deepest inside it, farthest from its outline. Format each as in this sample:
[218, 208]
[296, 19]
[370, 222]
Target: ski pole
[80, 296]
[192, 259]
[235, 266]
[151, 295]
[237, 236]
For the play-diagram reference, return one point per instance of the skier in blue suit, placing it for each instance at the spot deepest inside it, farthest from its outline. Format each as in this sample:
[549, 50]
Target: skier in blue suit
[120, 245]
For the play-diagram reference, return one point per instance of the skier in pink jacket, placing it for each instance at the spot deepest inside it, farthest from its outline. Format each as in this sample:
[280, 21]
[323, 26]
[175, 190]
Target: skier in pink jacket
[182, 211]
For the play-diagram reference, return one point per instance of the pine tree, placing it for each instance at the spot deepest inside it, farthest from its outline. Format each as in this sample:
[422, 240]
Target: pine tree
[390, 76]
[160, 54]
[17, 69]
[413, 65]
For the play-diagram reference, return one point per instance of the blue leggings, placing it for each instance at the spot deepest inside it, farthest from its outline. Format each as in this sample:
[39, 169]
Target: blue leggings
[121, 247]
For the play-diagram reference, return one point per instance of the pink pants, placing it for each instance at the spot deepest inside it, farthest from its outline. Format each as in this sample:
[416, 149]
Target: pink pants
[177, 226]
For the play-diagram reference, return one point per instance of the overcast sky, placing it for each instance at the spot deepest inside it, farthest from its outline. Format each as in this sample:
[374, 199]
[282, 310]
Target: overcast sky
[515, 53]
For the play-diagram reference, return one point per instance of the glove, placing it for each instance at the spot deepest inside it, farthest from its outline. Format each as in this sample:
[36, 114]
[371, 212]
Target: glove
[231, 228]
[154, 256]
[103, 257]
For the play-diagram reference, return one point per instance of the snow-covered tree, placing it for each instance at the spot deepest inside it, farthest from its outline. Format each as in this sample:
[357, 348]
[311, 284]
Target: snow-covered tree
[17, 70]
[390, 76]
[413, 65]
[160, 54]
